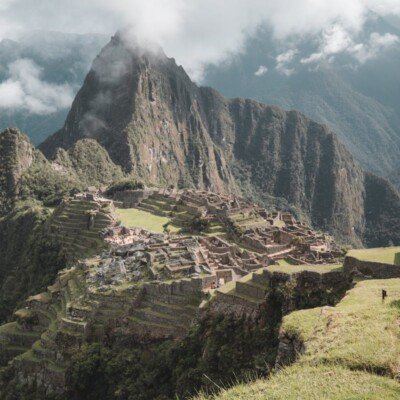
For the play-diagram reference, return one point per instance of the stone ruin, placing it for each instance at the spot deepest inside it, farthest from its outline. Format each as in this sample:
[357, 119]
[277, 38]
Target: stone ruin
[275, 234]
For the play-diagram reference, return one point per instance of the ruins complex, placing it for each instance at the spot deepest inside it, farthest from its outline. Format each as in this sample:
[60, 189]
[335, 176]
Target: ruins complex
[129, 282]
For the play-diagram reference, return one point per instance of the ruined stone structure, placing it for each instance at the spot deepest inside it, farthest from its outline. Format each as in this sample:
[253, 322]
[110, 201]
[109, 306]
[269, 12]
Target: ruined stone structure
[276, 234]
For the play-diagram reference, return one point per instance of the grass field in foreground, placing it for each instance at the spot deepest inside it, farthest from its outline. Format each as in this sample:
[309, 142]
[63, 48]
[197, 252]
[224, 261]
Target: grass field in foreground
[347, 348]
[132, 217]
[386, 255]
[315, 383]
[359, 332]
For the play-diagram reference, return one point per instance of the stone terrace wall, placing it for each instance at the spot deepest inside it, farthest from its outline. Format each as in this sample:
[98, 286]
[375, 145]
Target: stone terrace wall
[303, 289]
[131, 198]
[371, 269]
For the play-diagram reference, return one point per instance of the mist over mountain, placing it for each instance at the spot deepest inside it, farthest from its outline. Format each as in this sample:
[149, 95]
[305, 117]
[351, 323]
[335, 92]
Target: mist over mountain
[358, 100]
[40, 73]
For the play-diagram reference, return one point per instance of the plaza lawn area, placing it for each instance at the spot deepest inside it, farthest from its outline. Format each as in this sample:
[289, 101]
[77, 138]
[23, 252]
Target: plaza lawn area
[386, 255]
[284, 262]
[290, 268]
[132, 217]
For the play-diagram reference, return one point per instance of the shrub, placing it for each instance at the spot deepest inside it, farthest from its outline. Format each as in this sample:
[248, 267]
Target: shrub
[124, 185]
[198, 225]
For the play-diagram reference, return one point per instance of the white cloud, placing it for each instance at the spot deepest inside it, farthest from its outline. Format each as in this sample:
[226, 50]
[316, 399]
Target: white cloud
[262, 70]
[198, 32]
[371, 49]
[337, 40]
[24, 90]
[283, 61]
[4, 4]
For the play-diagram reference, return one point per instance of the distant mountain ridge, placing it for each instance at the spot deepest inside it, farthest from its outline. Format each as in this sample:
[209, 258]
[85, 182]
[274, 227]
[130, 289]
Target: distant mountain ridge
[360, 102]
[159, 127]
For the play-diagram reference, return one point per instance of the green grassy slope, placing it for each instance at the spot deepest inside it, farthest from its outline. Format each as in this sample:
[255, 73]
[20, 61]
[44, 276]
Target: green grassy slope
[352, 350]
[132, 217]
[315, 383]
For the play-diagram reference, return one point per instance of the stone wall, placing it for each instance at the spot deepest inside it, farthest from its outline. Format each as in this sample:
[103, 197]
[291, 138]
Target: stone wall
[371, 269]
[131, 198]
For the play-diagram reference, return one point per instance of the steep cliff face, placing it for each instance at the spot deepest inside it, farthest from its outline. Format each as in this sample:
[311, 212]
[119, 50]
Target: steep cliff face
[16, 157]
[159, 127]
[293, 157]
[382, 212]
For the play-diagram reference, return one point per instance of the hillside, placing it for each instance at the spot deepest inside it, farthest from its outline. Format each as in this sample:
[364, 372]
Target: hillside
[208, 311]
[26, 175]
[133, 286]
[30, 254]
[159, 127]
[347, 351]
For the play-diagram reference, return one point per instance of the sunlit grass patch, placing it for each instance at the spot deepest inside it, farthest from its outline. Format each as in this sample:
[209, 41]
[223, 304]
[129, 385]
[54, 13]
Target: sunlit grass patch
[133, 217]
[314, 383]
[386, 255]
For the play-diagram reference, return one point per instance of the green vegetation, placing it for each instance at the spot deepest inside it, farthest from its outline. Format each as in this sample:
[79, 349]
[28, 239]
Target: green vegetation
[360, 332]
[314, 383]
[386, 255]
[43, 183]
[218, 350]
[198, 225]
[347, 348]
[90, 162]
[133, 217]
[29, 256]
[290, 268]
[122, 185]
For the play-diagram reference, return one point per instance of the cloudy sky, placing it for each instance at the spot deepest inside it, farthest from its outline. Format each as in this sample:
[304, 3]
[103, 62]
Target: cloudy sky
[197, 32]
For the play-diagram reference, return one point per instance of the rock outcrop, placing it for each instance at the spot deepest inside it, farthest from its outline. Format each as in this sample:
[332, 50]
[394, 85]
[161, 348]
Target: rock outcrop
[17, 155]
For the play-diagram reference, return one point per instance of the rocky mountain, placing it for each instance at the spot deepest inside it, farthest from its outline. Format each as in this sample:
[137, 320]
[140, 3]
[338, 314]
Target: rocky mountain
[158, 126]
